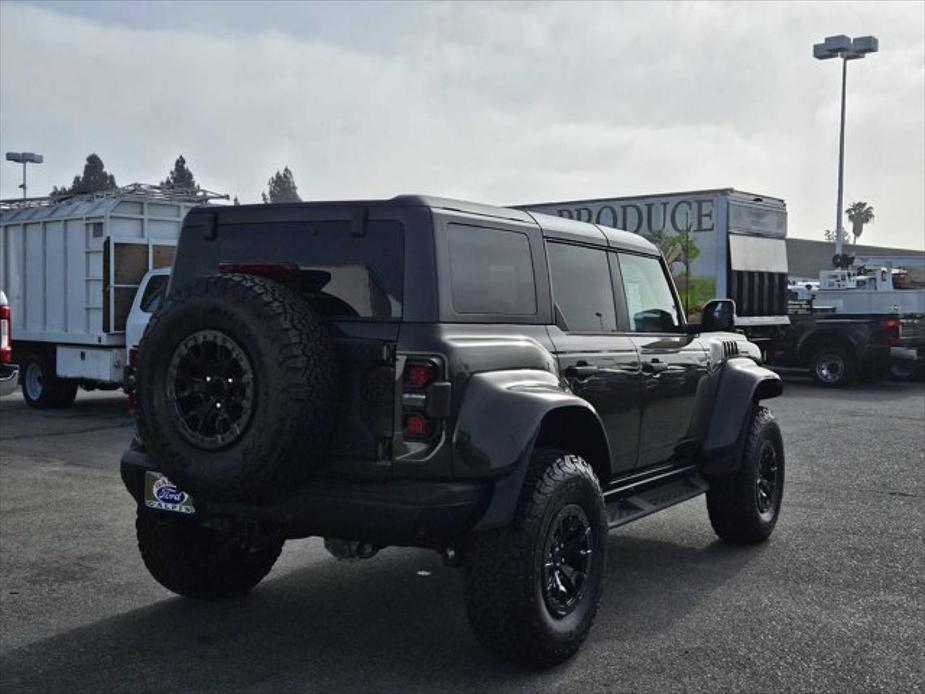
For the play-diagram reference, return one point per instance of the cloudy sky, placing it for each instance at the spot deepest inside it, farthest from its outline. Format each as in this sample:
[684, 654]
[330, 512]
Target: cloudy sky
[502, 103]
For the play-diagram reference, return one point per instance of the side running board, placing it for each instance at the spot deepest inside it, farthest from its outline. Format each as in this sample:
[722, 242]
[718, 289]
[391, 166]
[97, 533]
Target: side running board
[640, 497]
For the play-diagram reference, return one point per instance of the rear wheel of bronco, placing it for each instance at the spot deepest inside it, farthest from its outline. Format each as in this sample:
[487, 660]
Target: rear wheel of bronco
[833, 367]
[744, 507]
[236, 388]
[41, 387]
[532, 589]
[198, 562]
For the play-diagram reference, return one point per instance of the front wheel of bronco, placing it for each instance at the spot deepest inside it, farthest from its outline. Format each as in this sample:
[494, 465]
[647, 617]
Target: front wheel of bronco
[198, 562]
[532, 589]
[744, 507]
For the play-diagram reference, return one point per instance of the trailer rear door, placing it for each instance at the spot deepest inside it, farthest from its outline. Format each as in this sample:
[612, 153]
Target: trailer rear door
[758, 275]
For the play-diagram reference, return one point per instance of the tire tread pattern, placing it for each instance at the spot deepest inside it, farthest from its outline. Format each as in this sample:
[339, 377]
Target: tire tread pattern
[731, 502]
[197, 562]
[498, 569]
[298, 435]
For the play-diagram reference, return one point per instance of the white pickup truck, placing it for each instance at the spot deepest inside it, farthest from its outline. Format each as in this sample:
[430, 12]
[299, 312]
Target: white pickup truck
[9, 373]
[147, 299]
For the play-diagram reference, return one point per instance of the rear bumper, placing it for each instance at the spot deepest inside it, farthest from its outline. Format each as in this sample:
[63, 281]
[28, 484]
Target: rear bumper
[903, 353]
[9, 379]
[395, 512]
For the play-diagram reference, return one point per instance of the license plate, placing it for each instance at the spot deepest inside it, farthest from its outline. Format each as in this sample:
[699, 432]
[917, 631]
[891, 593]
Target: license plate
[162, 494]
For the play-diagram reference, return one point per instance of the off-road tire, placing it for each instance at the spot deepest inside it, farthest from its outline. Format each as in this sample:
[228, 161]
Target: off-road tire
[503, 568]
[733, 501]
[293, 388]
[53, 392]
[197, 562]
[834, 354]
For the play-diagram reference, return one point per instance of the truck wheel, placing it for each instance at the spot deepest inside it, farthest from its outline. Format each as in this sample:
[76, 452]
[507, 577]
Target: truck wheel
[41, 387]
[236, 386]
[744, 507]
[833, 367]
[532, 589]
[197, 562]
[906, 369]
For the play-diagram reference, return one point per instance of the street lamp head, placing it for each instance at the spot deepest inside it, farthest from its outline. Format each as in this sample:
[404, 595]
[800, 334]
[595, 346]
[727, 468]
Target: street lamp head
[865, 44]
[25, 157]
[832, 47]
[843, 47]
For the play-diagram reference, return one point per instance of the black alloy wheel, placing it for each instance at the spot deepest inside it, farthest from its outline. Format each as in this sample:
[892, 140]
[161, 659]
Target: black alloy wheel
[210, 383]
[767, 487]
[569, 546]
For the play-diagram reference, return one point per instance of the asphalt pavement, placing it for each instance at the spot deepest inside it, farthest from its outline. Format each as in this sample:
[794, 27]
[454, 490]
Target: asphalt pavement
[833, 602]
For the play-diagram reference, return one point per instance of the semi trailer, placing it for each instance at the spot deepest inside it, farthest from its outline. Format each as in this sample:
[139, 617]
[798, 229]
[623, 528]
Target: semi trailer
[720, 243]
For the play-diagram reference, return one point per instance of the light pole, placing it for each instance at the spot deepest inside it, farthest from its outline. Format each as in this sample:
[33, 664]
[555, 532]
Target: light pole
[847, 49]
[24, 158]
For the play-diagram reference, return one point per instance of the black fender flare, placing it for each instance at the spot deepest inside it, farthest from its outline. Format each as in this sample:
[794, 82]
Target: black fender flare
[742, 383]
[499, 421]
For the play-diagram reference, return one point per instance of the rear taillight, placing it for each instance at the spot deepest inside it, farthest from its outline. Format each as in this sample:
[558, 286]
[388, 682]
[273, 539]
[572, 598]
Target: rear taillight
[417, 426]
[129, 384]
[420, 393]
[893, 328]
[6, 328]
[420, 374]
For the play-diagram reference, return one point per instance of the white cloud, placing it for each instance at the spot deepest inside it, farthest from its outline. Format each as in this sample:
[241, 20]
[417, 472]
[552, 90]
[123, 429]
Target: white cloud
[495, 102]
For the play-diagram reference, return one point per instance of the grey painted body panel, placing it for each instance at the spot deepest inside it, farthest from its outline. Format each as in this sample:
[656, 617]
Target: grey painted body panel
[628, 402]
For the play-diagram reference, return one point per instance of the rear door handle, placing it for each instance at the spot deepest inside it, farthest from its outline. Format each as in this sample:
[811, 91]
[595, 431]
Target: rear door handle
[654, 367]
[581, 370]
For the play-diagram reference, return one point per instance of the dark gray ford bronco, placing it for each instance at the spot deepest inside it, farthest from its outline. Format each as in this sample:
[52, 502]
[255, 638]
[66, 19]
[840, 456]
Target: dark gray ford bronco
[501, 386]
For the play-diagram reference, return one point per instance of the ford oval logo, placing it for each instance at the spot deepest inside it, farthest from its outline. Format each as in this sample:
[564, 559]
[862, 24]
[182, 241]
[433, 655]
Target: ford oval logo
[166, 492]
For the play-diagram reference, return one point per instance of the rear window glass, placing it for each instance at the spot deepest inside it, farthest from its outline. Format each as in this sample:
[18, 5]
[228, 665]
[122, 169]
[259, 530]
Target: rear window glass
[345, 274]
[154, 292]
[491, 271]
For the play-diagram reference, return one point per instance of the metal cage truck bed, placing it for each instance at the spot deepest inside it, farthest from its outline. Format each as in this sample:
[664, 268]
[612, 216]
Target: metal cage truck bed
[70, 267]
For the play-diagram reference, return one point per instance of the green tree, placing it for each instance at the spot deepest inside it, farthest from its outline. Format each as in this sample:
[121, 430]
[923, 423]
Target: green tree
[829, 235]
[281, 188]
[94, 179]
[180, 177]
[860, 213]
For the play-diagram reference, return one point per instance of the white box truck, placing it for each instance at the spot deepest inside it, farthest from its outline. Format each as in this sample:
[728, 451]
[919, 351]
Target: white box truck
[718, 243]
[70, 267]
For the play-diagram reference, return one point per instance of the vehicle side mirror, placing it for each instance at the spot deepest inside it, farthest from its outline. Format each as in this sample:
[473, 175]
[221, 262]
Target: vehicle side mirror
[719, 315]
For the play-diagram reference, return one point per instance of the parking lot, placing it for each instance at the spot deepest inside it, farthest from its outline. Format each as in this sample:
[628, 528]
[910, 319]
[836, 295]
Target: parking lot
[833, 602]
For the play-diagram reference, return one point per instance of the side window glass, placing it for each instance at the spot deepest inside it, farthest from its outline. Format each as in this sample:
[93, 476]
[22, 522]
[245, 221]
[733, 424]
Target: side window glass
[581, 287]
[649, 300]
[491, 271]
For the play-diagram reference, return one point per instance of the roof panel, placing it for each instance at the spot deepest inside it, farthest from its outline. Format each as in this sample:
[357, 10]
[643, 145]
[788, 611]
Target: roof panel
[568, 229]
[627, 240]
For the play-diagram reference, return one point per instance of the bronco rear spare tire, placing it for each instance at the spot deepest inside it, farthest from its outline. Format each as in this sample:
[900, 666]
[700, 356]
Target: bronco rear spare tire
[236, 388]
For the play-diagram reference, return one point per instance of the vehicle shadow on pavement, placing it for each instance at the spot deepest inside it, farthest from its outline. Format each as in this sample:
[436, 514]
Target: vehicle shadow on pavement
[394, 622]
[882, 390]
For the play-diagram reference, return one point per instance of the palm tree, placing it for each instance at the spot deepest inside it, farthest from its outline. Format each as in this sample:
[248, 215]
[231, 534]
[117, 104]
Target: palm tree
[829, 235]
[860, 213]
